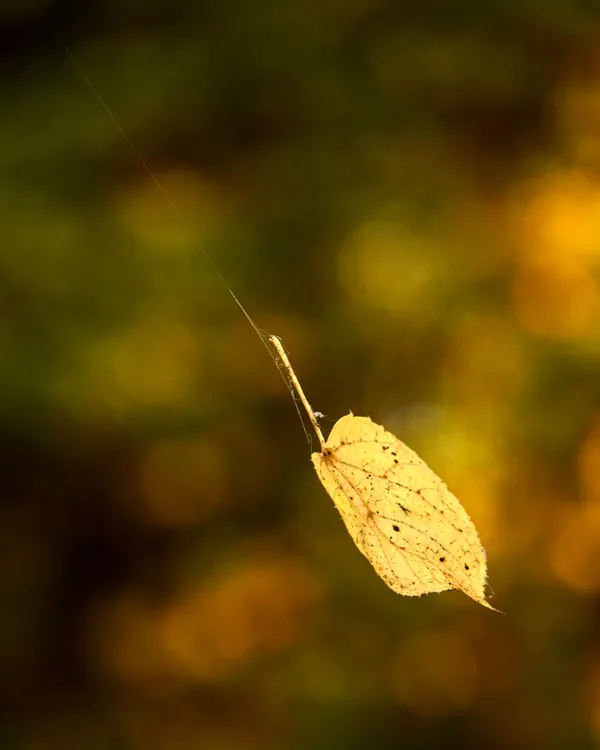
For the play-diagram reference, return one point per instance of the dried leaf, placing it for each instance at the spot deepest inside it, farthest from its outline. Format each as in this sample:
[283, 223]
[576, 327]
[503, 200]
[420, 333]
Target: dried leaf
[401, 516]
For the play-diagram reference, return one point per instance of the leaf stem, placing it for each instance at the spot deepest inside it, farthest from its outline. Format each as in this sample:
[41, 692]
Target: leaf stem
[276, 342]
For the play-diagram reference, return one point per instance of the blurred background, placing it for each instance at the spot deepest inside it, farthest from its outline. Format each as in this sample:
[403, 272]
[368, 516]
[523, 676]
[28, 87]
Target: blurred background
[409, 195]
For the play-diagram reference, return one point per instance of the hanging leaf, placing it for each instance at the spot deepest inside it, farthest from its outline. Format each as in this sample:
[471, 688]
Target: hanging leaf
[401, 516]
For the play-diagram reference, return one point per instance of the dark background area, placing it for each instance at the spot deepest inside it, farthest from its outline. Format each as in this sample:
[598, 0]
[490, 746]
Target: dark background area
[409, 195]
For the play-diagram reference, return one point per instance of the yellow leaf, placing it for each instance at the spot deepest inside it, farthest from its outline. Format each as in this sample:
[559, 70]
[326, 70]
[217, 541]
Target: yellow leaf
[401, 516]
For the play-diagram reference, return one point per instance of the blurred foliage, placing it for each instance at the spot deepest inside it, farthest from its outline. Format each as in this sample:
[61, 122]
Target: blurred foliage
[409, 195]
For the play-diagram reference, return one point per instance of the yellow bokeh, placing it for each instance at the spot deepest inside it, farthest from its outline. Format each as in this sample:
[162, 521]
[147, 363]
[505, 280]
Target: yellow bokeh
[151, 364]
[562, 216]
[175, 216]
[484, 360]
[385, 267]
[555, 295]
[575, 550]
[478, 493]
[554, 289]
[256, 610]
[207, 631]
[588, 463]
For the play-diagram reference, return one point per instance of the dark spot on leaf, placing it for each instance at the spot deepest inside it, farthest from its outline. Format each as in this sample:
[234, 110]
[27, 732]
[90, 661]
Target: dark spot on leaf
[466, 566]
[395, 460]
[386, 448]
[394, 453]
[396, 528]
[442, 559]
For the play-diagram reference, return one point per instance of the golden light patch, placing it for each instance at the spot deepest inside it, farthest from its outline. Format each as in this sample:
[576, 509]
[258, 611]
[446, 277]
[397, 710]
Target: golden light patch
[144, 211]
[588, 463]
[555, 296]
[383, 266]
[153, 364]
[562, 216]
[575, 554]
